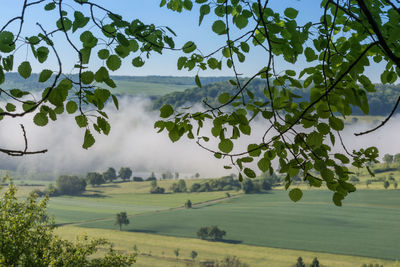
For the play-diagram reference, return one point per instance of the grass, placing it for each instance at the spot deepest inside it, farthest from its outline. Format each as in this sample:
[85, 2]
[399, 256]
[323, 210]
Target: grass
[162, 249]
[105, 201]
[367, 224]
[146, 88]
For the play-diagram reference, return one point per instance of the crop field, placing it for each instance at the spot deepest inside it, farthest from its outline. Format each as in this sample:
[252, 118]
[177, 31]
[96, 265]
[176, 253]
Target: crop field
[158, 251]
[146, 88]
[367, 224]
[132, 197]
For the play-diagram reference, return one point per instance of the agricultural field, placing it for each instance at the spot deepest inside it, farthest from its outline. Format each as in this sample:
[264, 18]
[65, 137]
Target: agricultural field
[367, 224]
[158, 251]
[105, 201]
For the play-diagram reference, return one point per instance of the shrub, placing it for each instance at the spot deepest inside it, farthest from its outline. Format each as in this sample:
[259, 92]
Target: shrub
[157, 190]
[211, 232]
[138, 179]
[70, 185]
[188, 204]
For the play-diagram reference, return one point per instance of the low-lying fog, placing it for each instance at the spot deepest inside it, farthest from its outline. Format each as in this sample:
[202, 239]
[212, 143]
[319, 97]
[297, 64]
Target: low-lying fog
[133, 142]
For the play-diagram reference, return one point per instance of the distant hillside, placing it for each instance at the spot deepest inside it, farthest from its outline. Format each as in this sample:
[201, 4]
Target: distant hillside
[381, 102]
[130, 85]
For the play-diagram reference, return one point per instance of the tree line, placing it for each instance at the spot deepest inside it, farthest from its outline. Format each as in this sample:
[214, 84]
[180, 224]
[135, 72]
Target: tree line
[381, 101]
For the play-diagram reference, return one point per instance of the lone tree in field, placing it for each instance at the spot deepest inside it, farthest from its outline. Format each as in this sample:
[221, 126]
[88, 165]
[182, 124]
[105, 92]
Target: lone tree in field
[188, 204]
[193, 254]
[386, 184]
[338, 47]
[125, 173]
[121, 218]
[176, 252]
[94, 178]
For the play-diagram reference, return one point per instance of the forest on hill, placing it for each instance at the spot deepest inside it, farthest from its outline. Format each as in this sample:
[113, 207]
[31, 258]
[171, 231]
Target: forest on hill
[381, 102]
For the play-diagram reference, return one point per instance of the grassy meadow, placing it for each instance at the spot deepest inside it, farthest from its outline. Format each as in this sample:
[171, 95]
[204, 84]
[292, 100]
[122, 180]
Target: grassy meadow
[158, 250]
[105, 201]
[367, 224]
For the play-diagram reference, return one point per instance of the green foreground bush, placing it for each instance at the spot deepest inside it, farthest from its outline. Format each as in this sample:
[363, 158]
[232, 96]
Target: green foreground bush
[27, 238]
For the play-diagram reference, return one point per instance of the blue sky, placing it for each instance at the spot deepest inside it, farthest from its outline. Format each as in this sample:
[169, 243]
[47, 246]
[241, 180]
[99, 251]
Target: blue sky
[185, 24]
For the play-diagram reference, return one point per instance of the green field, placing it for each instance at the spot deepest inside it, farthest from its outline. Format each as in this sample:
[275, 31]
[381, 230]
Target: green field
[158, 251]
[367, 224]
[105, 201]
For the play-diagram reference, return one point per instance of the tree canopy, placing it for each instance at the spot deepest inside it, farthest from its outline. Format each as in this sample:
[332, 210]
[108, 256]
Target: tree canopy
[301, 136]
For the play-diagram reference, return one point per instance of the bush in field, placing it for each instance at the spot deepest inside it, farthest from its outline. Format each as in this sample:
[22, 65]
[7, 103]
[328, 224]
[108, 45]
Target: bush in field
[94, 178]
[202, 233]
[110, 175]
[315, 263]
[386, 184]
[188, 204]
[179, 187]
[121, 218]
[211, 233]
[154, 189]
[176, 252]
[125, 173]
[193, 254]
[228, 261]
[27, 238]
[70, 185]
[137, 179]
[300, 262]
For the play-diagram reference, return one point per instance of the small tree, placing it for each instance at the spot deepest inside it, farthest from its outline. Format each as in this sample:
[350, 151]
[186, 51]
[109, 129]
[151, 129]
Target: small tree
[197, 175]
[368, 182]
[188, 204]
[110, 175]
[387, 158]
[215, 233]
[396, 158]
[386, 184]
[125, 173]
[395, 185]
[176, 175]
[121, 218]
[300, 262]
[94, 178]
[315, 263]
[193, 254]
[202, 233]
[70, 185]
[176, 252]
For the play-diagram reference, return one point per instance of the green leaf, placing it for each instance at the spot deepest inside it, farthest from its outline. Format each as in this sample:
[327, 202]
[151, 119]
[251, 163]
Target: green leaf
[342, 158]
[122, 40]
[291, 13]
[115, 100]
[80, 21]
[337, 199]
[103, 54]
[166, 111]
[50, 6]
[263, 164]
[336, 124]
[204, 10]
[295, 194]
[113, 62]
[87, 77]
[241, 21]
[71, 107]
[224, 98]
[45, 75]
[42, 53]
[137, 62]
[249, 173]
[101, 74]
[10, 107]
[7, 42]
[88, 140]
[189, 47]
[40, 119]
[25, 69]
[225, 145]
[197, 80]
[219, 27]
[81, 120]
